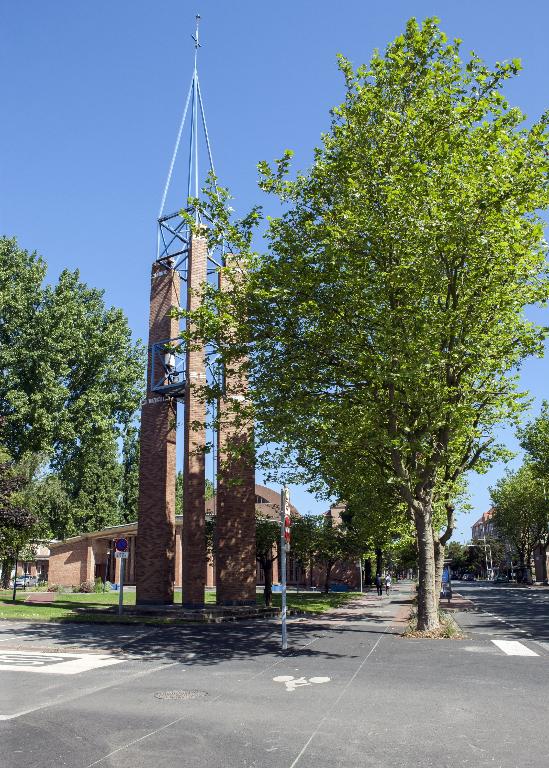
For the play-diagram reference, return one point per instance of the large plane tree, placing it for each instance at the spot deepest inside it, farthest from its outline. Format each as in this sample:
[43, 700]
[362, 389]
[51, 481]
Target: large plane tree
[387, 315]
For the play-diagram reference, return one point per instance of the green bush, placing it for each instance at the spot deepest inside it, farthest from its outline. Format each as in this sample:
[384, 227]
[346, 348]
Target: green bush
[100, 587]
[87, 587]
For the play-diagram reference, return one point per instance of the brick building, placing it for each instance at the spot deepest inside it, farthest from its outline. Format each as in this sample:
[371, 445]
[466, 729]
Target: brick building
[484, 527]
[90, 555]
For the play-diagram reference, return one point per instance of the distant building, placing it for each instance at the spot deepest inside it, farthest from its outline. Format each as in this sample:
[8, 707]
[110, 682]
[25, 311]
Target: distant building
[484, 526]
[35, 567]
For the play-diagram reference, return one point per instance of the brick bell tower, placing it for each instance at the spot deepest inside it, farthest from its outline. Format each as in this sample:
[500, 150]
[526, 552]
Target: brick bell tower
[155, 546]
[177, 376]
[235, 519]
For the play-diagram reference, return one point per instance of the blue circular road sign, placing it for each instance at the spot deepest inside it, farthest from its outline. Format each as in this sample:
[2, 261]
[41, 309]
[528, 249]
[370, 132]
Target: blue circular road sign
[121, 545]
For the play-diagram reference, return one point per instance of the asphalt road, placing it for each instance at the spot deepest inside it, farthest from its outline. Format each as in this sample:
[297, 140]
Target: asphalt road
[351, 692]
[507, 609]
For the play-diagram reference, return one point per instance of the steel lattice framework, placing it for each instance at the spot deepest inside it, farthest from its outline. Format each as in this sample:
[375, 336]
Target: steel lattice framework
[174, 234]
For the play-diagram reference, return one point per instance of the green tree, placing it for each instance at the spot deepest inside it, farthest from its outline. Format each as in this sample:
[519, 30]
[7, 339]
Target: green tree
[52, 504]
[130, 474]
[388, 313]
[68, 367]
[317, 540]
[304, 541]
[17, 523]
[71, 379]
[92, 479]
[521, 512]
[534, 438]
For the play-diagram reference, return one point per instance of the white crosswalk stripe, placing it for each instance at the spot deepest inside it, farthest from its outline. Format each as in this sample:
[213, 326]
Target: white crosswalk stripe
[54, 663]
[514, 648]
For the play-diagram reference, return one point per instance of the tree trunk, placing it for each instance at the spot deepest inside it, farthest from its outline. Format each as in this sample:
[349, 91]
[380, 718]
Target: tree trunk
[427, 608]
[329, 567]
[544, 545]
[7, 565]
[379, 560]
[439, 551]
[368, 572]
[268, 588]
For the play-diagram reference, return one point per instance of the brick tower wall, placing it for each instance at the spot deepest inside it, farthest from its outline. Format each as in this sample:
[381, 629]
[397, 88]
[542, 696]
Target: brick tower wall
[155, 547]
[194, 471]
[236, 571]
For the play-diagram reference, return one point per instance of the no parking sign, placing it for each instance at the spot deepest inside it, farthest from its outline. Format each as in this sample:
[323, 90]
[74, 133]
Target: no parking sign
[121, 547]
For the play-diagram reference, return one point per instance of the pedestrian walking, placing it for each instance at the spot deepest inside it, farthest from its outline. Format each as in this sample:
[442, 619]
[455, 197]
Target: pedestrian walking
[379, 584]
[387, 583]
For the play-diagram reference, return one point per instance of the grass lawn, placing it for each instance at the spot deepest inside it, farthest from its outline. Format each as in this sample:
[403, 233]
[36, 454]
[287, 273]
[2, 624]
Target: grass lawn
[71, 607]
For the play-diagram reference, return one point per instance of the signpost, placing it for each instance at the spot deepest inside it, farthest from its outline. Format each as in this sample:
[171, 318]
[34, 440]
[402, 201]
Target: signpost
[15, 578]
[121, 553]
[285, 535]
[446, 586]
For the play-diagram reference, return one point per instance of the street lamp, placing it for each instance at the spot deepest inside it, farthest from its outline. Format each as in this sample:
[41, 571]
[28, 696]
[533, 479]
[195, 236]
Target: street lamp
[487, 547]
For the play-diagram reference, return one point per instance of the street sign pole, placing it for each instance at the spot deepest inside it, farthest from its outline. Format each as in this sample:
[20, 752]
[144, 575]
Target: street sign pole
[15, 578]
[121, 547]
[121, 590]
[283, 505]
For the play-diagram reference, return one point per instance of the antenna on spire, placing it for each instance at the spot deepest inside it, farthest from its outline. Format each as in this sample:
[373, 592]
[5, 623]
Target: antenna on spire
[195, 36]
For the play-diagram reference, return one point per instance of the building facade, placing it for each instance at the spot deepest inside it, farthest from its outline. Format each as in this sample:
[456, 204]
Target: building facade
[91, 555]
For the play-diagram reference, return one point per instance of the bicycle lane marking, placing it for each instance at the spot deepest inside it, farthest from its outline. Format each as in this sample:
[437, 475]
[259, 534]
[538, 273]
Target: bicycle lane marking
[343, 692]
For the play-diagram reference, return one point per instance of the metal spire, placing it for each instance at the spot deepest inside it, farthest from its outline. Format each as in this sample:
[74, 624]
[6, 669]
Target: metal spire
[171, 235]
[195, 38]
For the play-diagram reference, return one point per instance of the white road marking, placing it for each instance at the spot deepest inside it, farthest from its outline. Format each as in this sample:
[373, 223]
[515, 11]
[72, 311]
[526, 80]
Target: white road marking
[88, 691]
[479, 649]
[343, 692]
[298, 682]
[514, 648]
[54, 663]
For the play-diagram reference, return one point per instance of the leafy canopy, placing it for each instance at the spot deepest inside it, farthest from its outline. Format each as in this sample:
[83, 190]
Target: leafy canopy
[521, 511]
[71, 379]
[387, 313]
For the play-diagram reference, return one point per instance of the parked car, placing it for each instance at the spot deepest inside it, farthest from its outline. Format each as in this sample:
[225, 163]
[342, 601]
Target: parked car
[468, 577]
[25, 581]
[502, 578]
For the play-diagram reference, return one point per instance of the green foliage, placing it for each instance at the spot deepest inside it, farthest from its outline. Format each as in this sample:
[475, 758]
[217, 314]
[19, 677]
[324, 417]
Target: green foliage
[534, 438]
[316, 540]
[18, 525]
[521, 511]
[130, 474]
[70, 381]
[267, 537]
[386, 321]
[69, 369]
[92, 480]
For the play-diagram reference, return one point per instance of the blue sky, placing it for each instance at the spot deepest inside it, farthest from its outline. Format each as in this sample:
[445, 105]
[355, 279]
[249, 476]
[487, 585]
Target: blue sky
[92, 94]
